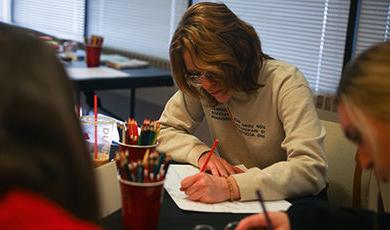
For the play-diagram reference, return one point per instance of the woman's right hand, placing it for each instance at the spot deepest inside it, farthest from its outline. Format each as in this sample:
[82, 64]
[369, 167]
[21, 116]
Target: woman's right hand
[218, 166]
[258, 221]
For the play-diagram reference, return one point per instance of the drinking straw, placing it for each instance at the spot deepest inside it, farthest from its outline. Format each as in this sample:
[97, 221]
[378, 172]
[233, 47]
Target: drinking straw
[209, 155]
[95, 116]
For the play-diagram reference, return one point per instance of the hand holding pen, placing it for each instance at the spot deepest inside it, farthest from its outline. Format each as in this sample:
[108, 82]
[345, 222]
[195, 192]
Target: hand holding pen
[280, 221]
[266, 220]
[204, 187]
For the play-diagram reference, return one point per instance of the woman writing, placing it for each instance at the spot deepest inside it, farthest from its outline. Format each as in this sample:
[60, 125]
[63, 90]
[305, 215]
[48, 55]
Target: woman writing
[260, 109]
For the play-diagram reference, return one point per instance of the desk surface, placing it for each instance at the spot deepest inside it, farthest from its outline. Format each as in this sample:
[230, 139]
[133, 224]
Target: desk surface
[139, 78]
[171, 217]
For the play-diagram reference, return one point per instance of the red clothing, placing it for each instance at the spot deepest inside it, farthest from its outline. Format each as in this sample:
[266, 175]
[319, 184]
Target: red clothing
[25, 210]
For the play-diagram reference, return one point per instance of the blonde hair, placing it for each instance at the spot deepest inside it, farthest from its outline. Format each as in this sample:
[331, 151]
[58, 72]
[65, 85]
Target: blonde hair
[366, 82]
[365, 89]
[357, 116]
[219, 43]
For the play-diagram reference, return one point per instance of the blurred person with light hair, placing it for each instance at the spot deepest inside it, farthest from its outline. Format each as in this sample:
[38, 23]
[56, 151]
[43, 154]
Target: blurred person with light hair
[364, 113]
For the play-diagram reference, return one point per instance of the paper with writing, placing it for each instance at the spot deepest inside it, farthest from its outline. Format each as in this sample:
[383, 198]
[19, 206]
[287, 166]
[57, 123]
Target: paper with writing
[172, 185]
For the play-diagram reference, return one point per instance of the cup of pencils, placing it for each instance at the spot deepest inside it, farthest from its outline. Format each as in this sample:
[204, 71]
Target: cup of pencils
[93, 49]
[136, 142]
[141, 204]
[142, 173]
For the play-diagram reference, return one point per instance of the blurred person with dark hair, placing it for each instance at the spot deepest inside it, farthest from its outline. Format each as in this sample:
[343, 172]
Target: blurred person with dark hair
[46, 177]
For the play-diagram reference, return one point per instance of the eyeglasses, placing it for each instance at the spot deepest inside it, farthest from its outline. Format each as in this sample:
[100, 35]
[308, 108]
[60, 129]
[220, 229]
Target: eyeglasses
[195, 79]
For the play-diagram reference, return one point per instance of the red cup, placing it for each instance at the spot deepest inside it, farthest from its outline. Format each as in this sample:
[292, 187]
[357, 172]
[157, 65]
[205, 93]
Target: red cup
[136, 152]
[93, 55]
[141, 204]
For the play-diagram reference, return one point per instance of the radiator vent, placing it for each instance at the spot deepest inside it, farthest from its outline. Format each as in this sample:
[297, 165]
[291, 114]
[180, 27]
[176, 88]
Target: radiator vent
[326, 102]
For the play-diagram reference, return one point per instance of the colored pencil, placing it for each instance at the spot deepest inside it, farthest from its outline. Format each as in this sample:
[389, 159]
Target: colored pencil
[209, 155]
[267, 218]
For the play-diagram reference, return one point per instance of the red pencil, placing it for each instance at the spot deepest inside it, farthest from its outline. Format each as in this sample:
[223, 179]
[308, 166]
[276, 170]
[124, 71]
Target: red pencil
[209, 155]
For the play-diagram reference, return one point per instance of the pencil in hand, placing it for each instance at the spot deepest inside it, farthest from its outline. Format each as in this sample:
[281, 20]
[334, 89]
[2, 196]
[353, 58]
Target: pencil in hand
[267, 218]
[209, 155]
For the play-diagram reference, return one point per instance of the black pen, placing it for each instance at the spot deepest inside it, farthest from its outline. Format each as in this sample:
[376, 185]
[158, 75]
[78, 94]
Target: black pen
[269, 222]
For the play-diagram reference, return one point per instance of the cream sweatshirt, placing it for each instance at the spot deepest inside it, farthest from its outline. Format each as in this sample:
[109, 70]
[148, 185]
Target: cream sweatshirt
[276, 133]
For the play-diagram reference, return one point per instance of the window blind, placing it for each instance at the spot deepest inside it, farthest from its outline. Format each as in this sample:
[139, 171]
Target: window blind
[310, 34]
[1, 10]
[374, 24]
[5, 13]
[60, 18]
[143, 27]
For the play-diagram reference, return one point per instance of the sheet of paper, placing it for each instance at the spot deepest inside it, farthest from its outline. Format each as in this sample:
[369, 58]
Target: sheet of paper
[112, 57]
[172, 184]
[78, 73]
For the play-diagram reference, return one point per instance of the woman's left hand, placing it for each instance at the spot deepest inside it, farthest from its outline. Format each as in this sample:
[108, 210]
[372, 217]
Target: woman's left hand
[219, 166]
[205, 188]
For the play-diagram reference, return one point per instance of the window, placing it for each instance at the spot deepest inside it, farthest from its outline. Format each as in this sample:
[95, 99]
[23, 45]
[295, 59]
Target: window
[143, 27]
[60, 18]
[310, 34]
[5, 14]
[374, 23]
